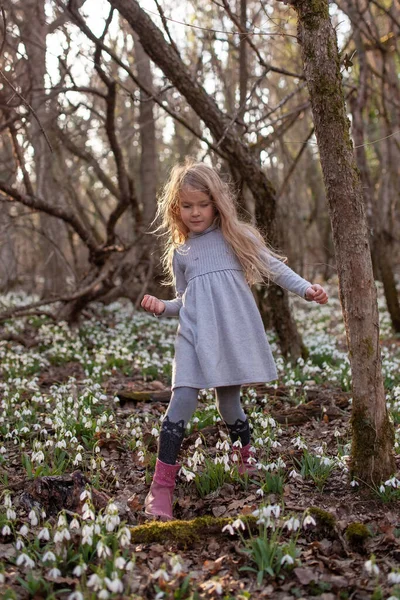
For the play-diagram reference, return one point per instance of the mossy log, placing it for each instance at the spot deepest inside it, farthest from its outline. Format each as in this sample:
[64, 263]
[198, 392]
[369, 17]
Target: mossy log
[185, 532]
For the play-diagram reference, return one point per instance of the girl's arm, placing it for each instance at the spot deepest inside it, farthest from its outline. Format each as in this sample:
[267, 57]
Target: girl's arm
[172, 307]
[283, 275]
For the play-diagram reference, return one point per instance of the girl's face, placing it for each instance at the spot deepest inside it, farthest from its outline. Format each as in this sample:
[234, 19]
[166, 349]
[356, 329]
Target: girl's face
[196, 209]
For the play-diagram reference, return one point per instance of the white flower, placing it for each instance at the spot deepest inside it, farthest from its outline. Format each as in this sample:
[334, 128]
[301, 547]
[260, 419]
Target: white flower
[176, 564]
[229, 528]
[124, 536]
[287, 559]
[238, 524]
[308, 520]
[24, 530]
[161, 574]
[119, 562]
[114, 585]
[49, 556]
[6, 530]
[95, 582]
[371, 567]
[292, 524]
[33, 518]
[54, 572]
[76, 596]
[62, 521]
[25, 559]
[382, 489]
[354, 483]
[79, 569]
[102, 549]
[394, 577]
[44, 534]
[104, 595]
[74, 524]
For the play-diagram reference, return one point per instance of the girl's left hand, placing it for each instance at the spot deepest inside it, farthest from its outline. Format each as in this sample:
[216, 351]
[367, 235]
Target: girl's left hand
[317, 293]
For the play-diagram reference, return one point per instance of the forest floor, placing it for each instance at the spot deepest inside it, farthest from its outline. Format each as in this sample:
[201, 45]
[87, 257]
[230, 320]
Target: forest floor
[80, 418]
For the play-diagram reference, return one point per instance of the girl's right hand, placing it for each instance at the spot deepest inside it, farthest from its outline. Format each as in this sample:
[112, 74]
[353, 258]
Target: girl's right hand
[152, 304]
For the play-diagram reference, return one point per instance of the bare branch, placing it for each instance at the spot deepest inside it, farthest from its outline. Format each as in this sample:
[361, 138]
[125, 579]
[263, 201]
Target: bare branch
[10, 194]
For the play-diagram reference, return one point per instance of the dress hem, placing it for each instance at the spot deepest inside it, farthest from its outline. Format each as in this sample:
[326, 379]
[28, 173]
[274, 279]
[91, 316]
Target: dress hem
[222, 384]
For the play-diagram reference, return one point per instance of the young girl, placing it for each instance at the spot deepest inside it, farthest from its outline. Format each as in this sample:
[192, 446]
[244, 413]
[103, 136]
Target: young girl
[212, 258]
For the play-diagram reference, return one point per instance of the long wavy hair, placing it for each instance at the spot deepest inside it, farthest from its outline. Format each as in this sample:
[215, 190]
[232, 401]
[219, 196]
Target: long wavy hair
[244, 239]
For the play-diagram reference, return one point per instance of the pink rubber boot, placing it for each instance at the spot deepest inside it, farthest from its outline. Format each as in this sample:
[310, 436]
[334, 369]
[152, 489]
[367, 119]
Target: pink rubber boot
[158, 502]
[244, 462]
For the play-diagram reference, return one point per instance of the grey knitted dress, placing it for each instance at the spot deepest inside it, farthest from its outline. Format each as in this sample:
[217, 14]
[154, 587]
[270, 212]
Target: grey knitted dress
[221, 339]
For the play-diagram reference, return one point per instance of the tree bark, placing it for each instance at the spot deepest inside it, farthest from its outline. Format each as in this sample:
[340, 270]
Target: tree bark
[226, 135]
[34, 31]
[148, 157]
[373, 436]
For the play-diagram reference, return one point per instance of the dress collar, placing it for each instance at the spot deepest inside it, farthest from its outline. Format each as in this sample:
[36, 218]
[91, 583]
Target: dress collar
[193, 234]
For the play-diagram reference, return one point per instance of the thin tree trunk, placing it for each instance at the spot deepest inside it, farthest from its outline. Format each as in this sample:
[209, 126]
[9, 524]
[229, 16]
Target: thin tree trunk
[34, 32]
[373, 436]
[148, 157]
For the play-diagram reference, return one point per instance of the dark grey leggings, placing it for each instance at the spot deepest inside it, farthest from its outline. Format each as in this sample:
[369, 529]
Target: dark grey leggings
[183, 403]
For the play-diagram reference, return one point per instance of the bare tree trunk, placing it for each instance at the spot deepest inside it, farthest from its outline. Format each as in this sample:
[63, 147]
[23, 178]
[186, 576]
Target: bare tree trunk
[148, 158]
[373, 436]
[224, 131]
[34, 30]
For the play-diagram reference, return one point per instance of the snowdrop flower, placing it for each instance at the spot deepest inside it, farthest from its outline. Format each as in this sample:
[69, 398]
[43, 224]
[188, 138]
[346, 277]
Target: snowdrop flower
[6, 530]
[54, 572]
[114, 585]
[238, 524]
[49, 557]
[74, 524]
[394, 577]
[188, 474]
[19, 544]
[298, 443]
[11, 514]
[176, 564]
[95, 582]
[44, 534]
[33, 518]
[308, 520]
[292, 524]
[198, 442]
[102, 549]
[124, 536]
[382, 489]
[78, 459]
[104, 595]
[229, 528]
[371, 567]
[119, 562]
[76, 596]
[260, 492]
[161, 574]
[79, 569]
[354, 483]
[24, 530]
[25, 559]
[287, 559]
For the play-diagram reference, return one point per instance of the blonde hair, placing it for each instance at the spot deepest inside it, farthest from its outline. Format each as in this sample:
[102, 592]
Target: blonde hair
[244, 239]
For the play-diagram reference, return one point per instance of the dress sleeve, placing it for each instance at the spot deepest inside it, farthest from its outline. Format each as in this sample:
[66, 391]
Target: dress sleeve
[283, 275]
[172, 307]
